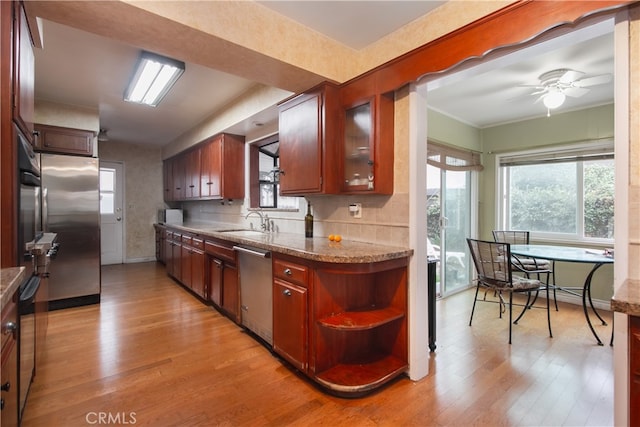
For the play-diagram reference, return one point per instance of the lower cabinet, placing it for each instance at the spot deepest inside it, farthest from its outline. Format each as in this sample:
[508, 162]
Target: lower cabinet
[223, 285]
[290, 311]
[185, 261]
[9, 369]
[634, 371]
[344, 325]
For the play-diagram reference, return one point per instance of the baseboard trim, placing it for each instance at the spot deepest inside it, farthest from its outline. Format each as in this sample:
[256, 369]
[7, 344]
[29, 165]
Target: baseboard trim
[136, 260]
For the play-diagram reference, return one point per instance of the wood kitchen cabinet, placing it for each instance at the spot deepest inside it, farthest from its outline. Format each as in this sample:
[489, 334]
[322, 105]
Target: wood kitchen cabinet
[9, 364]
[24, 73]
[192, 174]
[192, 264]
[367, 145]
[56, 139]
[309, 131]
[290, 311]
[634, 370]
[359, 325]
[173, 254]
[214, 169]
[161, 236]
[222, 175]
[224, 286]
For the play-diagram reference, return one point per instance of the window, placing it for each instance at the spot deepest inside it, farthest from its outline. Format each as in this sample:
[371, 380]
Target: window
[107, 190]
[264, 164]
[566, 193]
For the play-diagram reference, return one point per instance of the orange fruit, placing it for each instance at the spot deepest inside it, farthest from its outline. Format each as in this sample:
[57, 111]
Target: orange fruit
[332, 237]
[337, 237]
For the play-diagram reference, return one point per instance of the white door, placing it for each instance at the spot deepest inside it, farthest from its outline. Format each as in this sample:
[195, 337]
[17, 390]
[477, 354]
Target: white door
[111, 212]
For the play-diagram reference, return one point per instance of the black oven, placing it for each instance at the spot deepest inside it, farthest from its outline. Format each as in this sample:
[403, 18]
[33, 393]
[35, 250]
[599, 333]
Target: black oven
[29, 231]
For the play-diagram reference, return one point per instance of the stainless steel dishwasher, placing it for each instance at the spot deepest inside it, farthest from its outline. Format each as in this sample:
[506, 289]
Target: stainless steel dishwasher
[256, 294]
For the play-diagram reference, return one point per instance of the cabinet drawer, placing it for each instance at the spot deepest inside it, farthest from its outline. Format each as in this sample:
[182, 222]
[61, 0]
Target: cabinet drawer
[186, 239]
[291, 272]
[197, 243]
[220, 250]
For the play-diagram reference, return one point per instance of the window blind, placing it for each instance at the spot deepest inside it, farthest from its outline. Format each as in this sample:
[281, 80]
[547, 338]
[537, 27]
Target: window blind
[595, 151]
[453, 159]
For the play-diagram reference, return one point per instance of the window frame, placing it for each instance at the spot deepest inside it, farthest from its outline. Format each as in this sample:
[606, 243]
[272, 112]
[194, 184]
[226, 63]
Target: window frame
[503, 184]
[255, 148]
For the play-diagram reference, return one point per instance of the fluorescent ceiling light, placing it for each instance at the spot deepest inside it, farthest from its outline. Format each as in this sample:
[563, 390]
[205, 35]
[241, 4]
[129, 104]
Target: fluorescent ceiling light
[152, 78]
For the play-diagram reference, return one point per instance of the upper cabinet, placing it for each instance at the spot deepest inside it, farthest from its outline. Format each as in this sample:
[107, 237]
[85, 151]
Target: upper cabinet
[214, 169]
[24, 72]
[367, 155]
[222, 174]
[55, 139]
[337, 141]
[309, 130]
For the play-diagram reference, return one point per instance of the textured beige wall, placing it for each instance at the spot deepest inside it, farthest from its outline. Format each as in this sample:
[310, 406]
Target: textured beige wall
[143, 195]
[70, 116]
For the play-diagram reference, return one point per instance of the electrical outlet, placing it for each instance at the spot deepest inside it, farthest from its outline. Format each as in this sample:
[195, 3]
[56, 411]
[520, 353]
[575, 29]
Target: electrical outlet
[355, 210]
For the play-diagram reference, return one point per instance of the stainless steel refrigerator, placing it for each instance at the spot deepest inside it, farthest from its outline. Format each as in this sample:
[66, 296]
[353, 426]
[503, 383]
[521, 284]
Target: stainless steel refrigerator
[71, 208]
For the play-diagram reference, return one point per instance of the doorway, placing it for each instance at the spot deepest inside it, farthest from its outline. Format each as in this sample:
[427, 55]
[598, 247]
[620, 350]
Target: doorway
[111, 212]
[449, 219]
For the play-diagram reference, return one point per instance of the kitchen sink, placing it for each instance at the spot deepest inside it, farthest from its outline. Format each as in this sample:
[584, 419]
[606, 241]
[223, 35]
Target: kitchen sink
[246, 233]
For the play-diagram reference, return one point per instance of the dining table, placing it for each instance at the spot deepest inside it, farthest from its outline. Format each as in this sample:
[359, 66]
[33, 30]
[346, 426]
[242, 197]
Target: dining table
[553, 253]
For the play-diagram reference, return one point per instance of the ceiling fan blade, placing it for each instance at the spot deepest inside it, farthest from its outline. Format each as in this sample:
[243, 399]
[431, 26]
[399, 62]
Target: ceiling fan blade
[570, 76]
[575, 92]
[593, 81]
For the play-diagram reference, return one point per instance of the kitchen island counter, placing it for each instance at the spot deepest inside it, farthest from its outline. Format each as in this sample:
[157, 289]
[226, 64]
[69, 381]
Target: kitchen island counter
[316, 249]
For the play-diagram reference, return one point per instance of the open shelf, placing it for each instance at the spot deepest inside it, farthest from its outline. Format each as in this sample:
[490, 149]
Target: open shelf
[350, 378]
[362, 320]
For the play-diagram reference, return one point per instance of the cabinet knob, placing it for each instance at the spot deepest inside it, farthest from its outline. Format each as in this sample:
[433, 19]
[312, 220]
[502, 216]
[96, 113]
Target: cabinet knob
[10, 328]
[286, 292]
[288, 272]
[6, 386]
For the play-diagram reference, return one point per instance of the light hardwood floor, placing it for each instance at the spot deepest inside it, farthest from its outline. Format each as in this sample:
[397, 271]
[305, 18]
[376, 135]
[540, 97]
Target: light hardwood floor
[152, 354]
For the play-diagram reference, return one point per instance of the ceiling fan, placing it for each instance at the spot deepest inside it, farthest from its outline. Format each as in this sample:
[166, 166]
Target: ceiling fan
[556, 85]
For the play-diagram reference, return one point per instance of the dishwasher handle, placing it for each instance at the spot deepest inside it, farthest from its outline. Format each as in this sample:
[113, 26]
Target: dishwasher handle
[252, 251]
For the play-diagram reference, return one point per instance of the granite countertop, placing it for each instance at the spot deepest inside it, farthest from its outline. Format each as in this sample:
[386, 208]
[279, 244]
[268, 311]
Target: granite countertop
[627, 298]
[10, 280]
[315, 249]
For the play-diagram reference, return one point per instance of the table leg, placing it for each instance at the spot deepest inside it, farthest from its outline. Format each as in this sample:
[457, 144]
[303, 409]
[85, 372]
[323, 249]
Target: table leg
[586, 293]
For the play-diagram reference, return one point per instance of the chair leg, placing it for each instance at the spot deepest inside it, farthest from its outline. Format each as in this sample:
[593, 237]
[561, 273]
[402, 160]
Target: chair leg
[527, 305]
[548, 313]
[475, 299]
[510, 313]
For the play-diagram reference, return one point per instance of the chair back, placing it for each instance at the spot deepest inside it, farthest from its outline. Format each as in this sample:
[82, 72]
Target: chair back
[491, 260]
[515, 237]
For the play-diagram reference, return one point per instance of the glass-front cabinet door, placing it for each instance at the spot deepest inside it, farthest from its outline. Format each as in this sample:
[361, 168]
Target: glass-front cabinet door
[358, 147]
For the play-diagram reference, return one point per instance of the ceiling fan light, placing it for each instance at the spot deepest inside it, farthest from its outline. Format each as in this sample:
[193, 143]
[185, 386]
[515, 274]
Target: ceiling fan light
[554, 99]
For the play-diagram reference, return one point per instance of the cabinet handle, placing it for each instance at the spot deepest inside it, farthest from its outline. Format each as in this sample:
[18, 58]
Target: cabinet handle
[10, 328]
[191, 186]
[6, 386]
[288, 272]
[281, 172]
[286, 292]
[209, 183]
[1, 404]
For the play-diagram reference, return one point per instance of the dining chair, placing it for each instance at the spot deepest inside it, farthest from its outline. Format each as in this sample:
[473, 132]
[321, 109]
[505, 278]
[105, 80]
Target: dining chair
[524, 264]
[494, 269]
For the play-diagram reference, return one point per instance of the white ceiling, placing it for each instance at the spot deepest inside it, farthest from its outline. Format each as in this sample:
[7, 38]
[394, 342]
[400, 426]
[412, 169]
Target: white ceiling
[84, 69]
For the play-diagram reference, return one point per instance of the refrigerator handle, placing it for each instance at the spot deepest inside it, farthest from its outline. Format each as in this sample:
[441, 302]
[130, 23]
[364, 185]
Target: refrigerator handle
[45, 210]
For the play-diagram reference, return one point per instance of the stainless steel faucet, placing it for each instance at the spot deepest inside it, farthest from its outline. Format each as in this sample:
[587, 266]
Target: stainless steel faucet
[264, 220]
